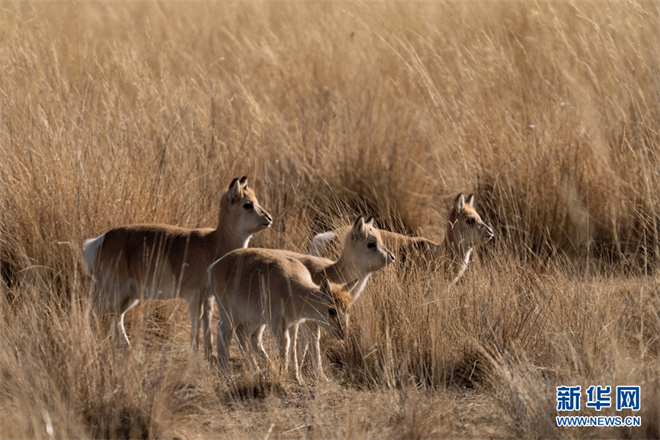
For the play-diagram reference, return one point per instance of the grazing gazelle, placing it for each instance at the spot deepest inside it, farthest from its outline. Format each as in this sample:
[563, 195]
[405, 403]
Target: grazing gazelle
[465, 231]
[363, 254]
[255, 288]
[143, 262]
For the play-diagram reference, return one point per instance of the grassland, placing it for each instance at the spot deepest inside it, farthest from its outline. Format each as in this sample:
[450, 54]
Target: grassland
[115, 113]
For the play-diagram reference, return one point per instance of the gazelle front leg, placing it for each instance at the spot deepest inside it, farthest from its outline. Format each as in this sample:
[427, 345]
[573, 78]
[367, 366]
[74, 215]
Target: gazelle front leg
[225, 333]
[207, 316]
[195, 312]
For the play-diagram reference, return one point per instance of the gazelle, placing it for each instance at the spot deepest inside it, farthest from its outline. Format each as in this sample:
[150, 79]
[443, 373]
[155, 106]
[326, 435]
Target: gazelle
[363, 254]
[255, 288]
[143, 262]
[465, 230]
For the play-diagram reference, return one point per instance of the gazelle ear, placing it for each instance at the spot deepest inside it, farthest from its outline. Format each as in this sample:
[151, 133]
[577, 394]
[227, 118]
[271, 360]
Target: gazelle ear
[234, 191]
[370, 222]
[470, 200]
[359, 229]
[459, 203]
[243, 181]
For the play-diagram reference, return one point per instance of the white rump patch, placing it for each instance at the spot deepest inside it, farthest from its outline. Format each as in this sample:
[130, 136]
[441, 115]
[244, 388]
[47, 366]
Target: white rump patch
[90, 250]
[319, 242]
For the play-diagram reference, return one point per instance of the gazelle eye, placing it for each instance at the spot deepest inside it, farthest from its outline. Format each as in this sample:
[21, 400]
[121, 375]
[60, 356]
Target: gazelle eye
[248, 205]
[332, 313]
[371, 245]
[470, 221]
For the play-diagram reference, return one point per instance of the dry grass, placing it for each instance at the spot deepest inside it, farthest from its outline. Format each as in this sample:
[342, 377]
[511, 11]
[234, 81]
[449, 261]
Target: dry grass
[115, 113]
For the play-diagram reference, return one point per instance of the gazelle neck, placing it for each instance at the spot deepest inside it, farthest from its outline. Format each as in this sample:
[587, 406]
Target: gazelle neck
[344, 271]
[227, 236]
[457, 254]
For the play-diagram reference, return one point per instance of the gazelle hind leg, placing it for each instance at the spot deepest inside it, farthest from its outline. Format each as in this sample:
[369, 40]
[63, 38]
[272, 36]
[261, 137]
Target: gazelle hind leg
[258, 341]
[121, 330]
[245, 344]
[303, 342]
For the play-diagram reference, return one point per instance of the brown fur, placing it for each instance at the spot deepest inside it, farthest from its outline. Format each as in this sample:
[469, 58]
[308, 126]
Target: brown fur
[464, 231]
[362, 254]
[138, 262]
[259, 287]
[357, 260]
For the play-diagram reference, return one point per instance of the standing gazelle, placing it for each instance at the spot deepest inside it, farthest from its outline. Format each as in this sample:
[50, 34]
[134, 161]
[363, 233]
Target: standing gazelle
[143, 262]
[255, 288]
[465, 230]
[363, 254]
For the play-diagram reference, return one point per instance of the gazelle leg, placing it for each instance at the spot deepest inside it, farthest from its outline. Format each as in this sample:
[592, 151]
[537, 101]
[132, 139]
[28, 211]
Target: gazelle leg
[303, 342]
[319, 358]
[258, 341]
[195, 311]
[225, 333]
[284, 338]
[207, 316]
[295, 353]
[121, 330]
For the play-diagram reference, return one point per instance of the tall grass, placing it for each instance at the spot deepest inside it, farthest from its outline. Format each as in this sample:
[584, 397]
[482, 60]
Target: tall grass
[116, 113]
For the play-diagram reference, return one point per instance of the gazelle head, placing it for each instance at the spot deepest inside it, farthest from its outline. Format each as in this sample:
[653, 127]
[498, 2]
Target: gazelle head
[365, 249]
[241, 204]
[466, 229]
[336, 301]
